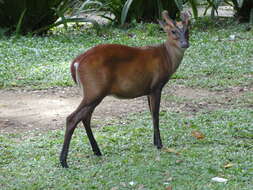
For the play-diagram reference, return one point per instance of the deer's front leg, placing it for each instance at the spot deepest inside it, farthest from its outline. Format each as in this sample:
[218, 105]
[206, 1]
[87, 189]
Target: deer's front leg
[154, 104]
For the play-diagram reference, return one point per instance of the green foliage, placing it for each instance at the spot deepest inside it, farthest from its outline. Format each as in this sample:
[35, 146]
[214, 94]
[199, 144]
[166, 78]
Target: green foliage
[244, 10]
[140, 10]
[18, 28]
[194, 6]
[125, 11]
[34, 16]
[214, 4]
[37, 14]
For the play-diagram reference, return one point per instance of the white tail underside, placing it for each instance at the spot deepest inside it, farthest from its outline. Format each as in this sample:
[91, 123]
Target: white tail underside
[76, 65]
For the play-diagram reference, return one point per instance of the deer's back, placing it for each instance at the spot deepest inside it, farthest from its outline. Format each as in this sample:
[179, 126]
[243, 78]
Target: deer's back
[122, 71]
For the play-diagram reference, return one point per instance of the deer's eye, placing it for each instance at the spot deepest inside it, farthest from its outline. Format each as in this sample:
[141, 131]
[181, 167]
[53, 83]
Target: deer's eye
[174, 32]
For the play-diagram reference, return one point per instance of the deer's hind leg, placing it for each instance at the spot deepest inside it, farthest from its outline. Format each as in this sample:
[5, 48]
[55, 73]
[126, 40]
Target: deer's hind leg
[93, 142]
[82, 113]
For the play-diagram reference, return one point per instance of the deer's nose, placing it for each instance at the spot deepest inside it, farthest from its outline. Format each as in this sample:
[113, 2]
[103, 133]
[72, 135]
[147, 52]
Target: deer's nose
[184, 44]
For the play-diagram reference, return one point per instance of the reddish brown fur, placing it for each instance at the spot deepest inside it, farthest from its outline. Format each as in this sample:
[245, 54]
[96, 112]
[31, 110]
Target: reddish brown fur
[123, 71]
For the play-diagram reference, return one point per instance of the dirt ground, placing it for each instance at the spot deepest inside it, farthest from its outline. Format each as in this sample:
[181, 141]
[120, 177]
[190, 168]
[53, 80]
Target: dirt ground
[25, 110]
[22, 110]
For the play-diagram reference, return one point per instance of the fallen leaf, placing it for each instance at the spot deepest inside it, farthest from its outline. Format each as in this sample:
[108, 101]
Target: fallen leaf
[198, 135]
[168, 181]
[229, 165]
[123, 184]
[219, 179]
[178, 161]
[141, 187]
[168, 188]
[170, 150]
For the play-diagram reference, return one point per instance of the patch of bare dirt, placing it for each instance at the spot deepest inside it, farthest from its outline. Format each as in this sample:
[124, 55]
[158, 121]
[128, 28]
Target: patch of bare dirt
[47, 109]
[195, 100]
[43, 110]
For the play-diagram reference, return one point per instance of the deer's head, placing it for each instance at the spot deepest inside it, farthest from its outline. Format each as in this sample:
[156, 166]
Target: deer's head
[178, 32]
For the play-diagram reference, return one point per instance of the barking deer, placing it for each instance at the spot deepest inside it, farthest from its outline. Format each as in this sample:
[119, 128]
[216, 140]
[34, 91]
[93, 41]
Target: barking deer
[126, 72]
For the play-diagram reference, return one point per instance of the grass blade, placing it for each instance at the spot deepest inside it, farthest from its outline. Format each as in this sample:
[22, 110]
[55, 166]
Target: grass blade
[179, 4]
[18, 27]
[125, 11]
[194, 6]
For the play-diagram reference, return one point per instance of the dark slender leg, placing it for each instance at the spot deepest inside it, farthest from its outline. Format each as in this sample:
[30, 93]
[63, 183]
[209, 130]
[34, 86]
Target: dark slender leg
[65, 148]
[93, 142]
[154, 102]
[72, 121]
[81, 113]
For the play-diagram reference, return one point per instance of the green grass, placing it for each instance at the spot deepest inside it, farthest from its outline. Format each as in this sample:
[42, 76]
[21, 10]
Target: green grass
[129, 155]
[130, 161]
[212, 61]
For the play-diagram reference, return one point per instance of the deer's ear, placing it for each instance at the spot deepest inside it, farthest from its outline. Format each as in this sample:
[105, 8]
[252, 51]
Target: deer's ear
[168, 20]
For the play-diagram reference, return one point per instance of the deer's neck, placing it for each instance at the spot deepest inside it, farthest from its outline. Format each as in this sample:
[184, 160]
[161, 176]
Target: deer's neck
[173, 56]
